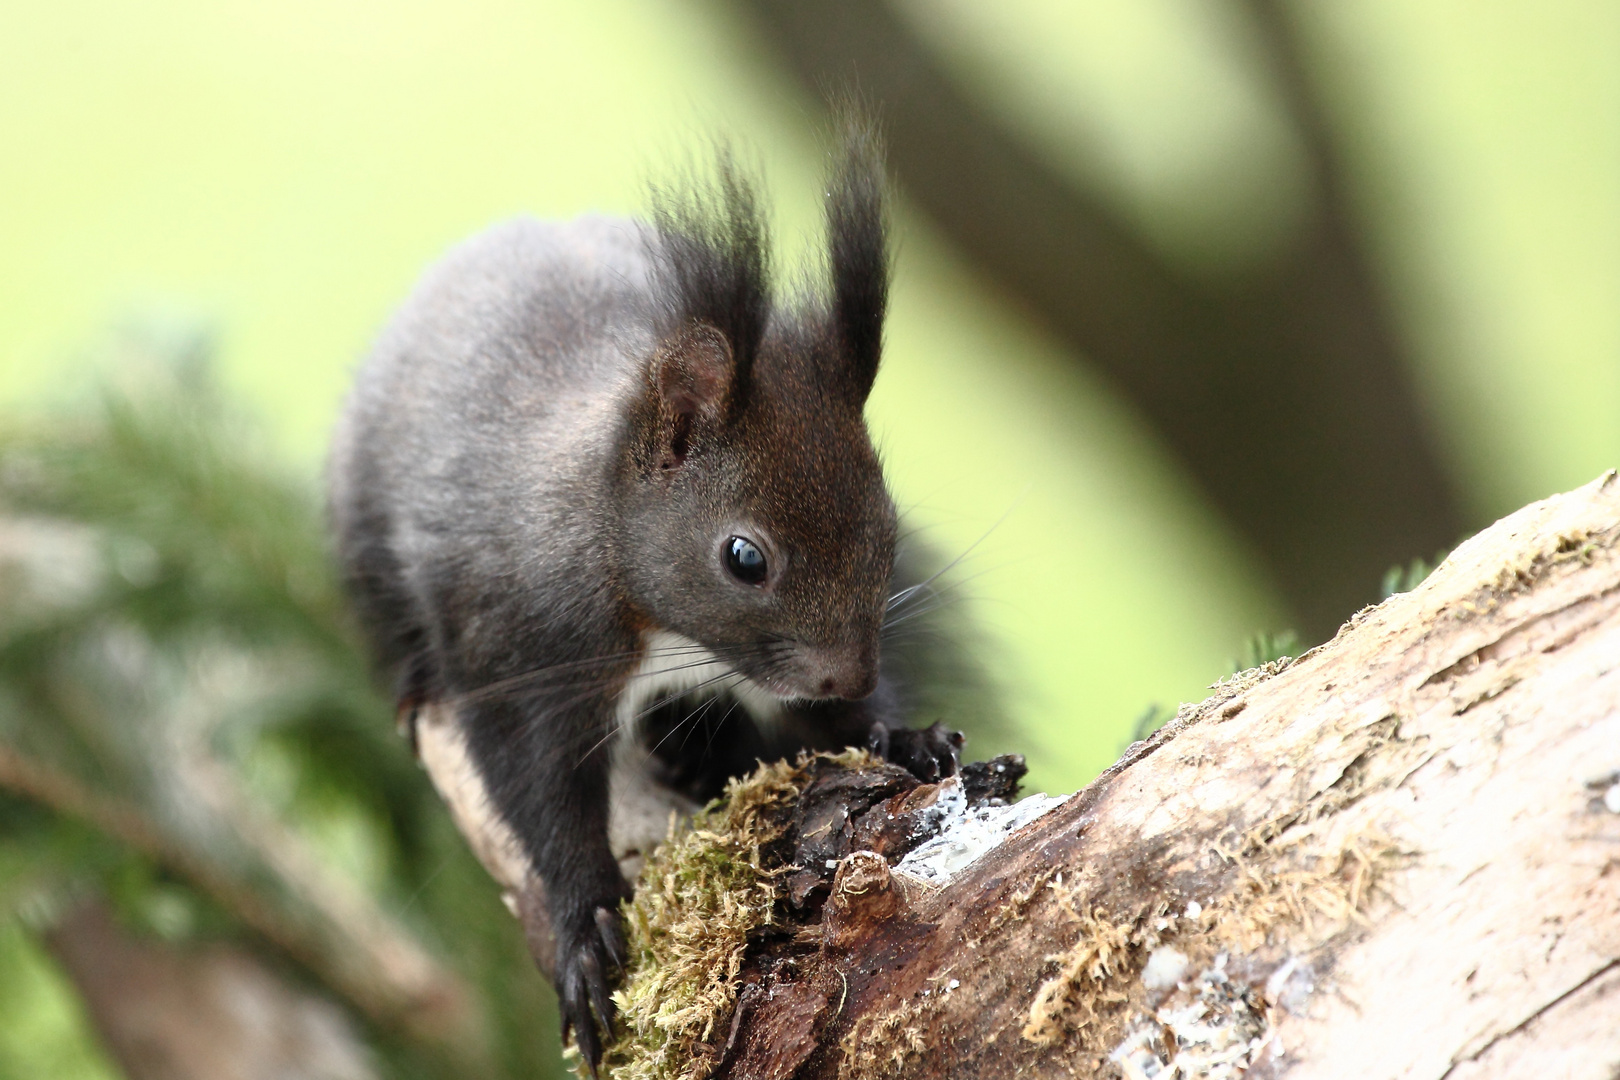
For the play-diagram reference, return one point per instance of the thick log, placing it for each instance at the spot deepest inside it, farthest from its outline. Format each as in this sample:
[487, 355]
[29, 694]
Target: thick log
[1396, 856]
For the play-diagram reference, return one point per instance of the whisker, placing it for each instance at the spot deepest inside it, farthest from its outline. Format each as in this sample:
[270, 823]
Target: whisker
[933, 599]
[936, 599]
[654, 706]
[709, 743]
[533, 681]
[900, 597]
[703, 708]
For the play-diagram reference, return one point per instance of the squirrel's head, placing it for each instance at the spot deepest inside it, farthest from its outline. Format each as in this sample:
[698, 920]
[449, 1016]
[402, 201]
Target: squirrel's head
[754, 517]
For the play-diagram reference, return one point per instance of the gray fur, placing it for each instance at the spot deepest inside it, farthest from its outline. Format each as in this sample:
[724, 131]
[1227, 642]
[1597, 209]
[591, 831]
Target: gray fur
[538, 476]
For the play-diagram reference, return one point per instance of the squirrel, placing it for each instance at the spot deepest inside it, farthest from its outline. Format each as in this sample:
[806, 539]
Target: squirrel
[596, 484]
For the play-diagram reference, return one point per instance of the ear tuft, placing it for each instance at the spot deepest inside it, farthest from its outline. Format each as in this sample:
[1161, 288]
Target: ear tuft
[710, 252]
[858, 251]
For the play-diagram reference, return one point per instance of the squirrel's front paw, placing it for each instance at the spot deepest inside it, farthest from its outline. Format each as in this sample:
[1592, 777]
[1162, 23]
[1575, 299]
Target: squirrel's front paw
[590, 957]
[928, 753]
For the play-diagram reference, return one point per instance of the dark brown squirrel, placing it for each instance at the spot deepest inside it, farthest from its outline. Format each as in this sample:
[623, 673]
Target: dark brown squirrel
[593, 479]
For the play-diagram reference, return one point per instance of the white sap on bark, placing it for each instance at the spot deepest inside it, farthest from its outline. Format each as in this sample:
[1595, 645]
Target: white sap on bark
[967, 834]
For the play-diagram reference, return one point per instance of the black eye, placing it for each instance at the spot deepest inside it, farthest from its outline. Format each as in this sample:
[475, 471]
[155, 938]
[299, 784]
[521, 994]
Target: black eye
[745, 561]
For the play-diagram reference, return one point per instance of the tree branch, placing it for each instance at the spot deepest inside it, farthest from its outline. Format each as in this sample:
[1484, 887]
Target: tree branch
[278, 891]
[1393, 856]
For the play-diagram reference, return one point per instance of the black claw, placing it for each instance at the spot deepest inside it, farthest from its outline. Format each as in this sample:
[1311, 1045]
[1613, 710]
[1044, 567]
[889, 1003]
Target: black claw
[606, 1012]
[590, 1047]
[607, 925]
[577, 1016]
[586, 973]
[947, 746]
[877, 741]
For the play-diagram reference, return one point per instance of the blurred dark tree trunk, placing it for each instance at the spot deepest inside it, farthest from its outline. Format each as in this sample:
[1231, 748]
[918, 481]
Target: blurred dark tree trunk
[1284, 391]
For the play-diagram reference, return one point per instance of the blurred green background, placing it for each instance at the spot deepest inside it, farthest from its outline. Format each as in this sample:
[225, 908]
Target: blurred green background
[263, 183]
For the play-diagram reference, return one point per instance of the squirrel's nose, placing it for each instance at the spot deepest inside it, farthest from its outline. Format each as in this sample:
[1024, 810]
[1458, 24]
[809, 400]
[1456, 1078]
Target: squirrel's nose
[849, 672]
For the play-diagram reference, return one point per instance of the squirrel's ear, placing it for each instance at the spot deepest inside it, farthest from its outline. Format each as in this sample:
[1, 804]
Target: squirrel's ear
[693, 374]
[858, 251]
[693, 380]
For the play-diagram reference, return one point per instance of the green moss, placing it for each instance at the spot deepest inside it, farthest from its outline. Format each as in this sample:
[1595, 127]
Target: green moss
[703, 892]
[1264, 648]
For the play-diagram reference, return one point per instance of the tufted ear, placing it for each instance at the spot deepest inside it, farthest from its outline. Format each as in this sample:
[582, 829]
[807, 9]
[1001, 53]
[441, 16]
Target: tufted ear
[858, 252]
[694, 377]
[695, 374]
[712, 286]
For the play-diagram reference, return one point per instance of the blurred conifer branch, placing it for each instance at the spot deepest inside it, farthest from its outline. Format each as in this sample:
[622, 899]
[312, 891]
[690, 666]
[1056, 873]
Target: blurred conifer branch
[180, 691]
[177, 1011]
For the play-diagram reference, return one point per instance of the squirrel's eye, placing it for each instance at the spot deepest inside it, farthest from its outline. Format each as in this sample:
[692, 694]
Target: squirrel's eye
[745, 561]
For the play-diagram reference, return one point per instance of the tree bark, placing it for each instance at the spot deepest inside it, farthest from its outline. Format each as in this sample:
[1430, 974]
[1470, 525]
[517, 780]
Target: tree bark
[1396, 856]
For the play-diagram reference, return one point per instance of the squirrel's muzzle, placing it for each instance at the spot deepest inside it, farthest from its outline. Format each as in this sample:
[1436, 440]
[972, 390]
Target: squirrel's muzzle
[840, 671]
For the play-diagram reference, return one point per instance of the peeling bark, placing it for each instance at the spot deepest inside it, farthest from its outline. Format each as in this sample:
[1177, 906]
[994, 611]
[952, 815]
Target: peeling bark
[1398, 855]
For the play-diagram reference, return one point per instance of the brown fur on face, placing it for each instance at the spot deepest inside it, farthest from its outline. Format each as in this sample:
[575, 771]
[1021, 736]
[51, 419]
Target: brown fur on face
[748, 422]
[793, 470]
